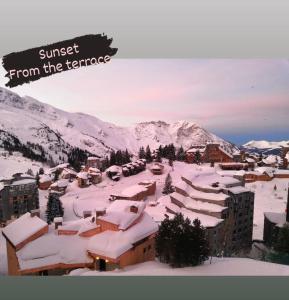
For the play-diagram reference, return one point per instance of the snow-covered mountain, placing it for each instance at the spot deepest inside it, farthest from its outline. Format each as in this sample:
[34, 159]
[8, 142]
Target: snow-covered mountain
[265, 147]
[266, 144]
[35, 123]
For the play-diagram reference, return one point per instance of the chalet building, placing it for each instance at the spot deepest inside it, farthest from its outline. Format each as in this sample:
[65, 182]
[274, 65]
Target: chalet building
[82, 179]
[251, 162]
[234, 166]
[123, 235]
[157, 168]
[134, 167]
[191, 153]
[224, 207]
[127, 236]
[93, 162]
[59, 186]
[113, 172]
[210, 153]
[94, 175]
[18, 195]
[137, 192]
[260, 174]
[45, 182]
[69, 174]
[273, 221]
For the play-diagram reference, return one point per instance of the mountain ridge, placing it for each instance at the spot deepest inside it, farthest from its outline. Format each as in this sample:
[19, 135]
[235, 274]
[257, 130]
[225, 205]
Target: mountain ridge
[56, 130]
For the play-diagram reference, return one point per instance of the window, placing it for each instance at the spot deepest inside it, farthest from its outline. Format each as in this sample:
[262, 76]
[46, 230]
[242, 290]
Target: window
[144, 250]
[149, 247]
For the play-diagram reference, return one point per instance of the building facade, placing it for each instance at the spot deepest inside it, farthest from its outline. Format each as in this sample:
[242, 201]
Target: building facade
[18, 195]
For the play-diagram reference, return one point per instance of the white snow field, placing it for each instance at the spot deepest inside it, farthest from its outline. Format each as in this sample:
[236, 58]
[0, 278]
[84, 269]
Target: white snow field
[218, 267]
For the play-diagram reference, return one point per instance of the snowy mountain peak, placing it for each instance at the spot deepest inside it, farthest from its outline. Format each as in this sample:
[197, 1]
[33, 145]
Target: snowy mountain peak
[32, 121]
[266, 144]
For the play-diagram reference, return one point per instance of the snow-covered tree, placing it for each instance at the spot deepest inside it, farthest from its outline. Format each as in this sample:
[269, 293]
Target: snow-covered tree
[181, 243]
[168, 188]
[148, 154]
[54, 208]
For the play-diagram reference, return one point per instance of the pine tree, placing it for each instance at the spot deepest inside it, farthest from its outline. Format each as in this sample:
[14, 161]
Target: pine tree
[126, 157]
[56, 174]
[141, 153]
[168, 188]
[180, 243]
[198, 157]
[37, 178]
[181, 155]
[30, 172]
[54, 208]
[148, 154]
[112, 160]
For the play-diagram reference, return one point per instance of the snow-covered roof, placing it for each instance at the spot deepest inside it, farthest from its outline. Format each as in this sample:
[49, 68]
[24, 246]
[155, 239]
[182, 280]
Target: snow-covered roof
[113, 168]
[199, 195]
[114, 243]
[250, 160]
[198, 205]
[92, 158]
[268, 170]
[238, 190]
[206, 221]
[276, 218]
[208, 179]
[44, 178]
[133, 190]
[92, 170]
[23, 181]
[61, 183]
[82, 175]
[1, 186]
[51, 249]
[119, 213]
[80, 225]
[22, 228]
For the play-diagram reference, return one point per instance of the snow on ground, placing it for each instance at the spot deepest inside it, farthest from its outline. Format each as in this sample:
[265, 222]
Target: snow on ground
[218, 267]
[267, 200]
[96, 197]
[17, 164]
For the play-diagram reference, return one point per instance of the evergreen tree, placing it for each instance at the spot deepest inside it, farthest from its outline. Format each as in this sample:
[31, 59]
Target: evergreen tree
[56, 174]
[181, 155]
[141, 153]
[37, 178]
[54, 208]
[30, 172]
[112, 160]
[198, 157]
[160, 151]
[171, 154]
[126, 157]
[168, 188]
[148, 154]
[158, 157]
[180, 243]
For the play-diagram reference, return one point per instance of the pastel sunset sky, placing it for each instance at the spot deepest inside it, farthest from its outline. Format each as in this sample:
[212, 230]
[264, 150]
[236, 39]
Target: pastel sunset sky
[239, 100]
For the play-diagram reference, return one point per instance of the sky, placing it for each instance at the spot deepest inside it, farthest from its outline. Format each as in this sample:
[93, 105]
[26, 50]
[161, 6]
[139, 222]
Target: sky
[239, 100]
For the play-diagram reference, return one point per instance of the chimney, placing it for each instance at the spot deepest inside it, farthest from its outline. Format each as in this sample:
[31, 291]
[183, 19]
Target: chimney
[287, 209]
[35, 212]
[58, 221]
[133, 209]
